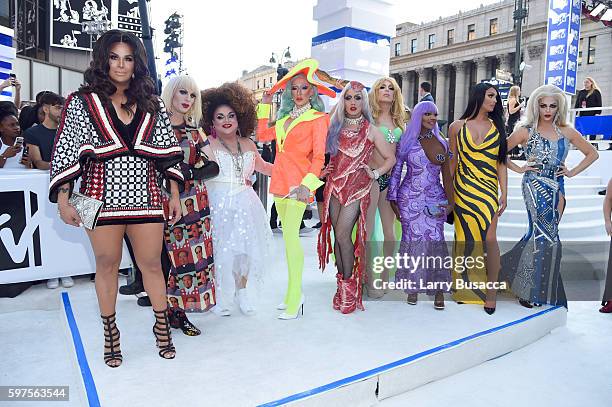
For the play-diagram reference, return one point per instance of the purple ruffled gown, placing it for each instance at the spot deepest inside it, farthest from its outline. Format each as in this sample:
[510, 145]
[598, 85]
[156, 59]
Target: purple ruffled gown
[422, 235]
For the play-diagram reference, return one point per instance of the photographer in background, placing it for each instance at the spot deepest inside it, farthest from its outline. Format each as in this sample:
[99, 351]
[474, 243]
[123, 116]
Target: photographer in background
[12, 81]
[514, 105]
[12, 141]
[40, 138]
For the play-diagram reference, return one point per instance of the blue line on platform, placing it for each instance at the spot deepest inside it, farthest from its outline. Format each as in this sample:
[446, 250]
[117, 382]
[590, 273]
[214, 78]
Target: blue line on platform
[404, 361]
[90, 385]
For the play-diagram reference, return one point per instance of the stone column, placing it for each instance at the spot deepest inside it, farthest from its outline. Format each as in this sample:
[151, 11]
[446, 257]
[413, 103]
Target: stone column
[481, 69]
[533, 74]
[406, 86]
[504, 62]
[412, 81]
[421, 76]
[418, 78]
[441, 96]
[461, 91]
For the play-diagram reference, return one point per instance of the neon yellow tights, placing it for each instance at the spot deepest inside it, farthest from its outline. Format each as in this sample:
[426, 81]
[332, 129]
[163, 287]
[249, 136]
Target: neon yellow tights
[290, 213]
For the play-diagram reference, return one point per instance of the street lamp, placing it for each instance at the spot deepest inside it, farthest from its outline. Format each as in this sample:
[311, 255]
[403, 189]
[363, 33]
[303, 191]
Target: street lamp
[520, 13]
[285, 54]
[96, 28]
[281, 71]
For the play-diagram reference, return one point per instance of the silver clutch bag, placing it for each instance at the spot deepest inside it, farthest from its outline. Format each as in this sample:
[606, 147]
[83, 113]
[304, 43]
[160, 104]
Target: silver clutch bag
[88, 208]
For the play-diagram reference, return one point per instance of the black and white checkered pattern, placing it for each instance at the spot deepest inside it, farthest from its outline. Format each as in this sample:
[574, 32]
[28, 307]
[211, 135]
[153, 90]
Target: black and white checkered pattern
[126, 182]
[162, 136]
[65, 153]
[79, 133]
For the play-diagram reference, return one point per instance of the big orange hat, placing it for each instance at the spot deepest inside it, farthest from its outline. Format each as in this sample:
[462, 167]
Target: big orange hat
[307, 67]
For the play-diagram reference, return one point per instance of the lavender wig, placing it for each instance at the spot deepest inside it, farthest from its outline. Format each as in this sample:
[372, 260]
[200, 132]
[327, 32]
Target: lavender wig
[414, 127]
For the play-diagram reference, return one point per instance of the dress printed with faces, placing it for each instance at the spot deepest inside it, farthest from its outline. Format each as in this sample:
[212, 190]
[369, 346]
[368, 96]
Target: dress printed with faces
[186, 240]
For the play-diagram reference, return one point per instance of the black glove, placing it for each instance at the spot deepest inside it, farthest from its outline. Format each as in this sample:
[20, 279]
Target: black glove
[266, 153]
[208, 171]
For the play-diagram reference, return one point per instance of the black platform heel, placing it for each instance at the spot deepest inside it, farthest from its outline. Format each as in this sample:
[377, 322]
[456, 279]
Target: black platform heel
[178, 320]
[163, 339]
[112, 357]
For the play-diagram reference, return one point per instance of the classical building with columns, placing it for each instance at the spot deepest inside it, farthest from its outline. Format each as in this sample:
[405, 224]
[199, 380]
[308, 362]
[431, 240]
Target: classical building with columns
[456, 52]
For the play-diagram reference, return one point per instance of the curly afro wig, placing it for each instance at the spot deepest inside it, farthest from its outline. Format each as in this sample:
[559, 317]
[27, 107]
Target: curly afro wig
[235, 96]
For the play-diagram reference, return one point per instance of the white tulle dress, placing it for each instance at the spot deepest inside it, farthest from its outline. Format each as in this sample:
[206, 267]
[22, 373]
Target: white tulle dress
[241, 232]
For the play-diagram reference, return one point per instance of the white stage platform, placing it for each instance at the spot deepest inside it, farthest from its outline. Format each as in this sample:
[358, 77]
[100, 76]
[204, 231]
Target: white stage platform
[323, 358]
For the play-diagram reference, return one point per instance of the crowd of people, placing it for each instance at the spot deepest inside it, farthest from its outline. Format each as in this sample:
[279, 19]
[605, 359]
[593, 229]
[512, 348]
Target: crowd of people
[174, 177]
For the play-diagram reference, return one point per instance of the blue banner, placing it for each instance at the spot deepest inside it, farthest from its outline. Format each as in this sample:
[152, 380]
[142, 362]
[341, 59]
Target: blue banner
[562, 41]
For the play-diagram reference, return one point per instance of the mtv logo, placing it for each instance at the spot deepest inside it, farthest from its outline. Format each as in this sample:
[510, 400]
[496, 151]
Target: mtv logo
[573, 50]
[571, 65]
[573, 35]
[555, 66]
[557, 18]
[19, 230]
[557, 50]
[555, 80]
[571, 81]
[576, 18]
[557, 34]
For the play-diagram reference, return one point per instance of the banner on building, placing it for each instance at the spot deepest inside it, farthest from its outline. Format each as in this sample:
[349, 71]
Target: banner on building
[68, 16]
[26, 25]
[562, 41]
[7, 61]
[128, 18]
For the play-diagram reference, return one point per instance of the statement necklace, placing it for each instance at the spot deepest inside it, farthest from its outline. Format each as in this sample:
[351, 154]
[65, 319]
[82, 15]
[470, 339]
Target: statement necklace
[237, 159]
[298, 111]
[357, 121]
[428, 134]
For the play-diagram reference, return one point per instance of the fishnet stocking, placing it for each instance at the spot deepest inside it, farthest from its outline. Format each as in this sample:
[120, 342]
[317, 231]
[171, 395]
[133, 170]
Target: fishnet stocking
[343, 219]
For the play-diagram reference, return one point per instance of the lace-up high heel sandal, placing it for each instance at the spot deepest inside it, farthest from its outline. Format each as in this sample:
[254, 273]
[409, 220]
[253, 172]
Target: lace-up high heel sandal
[163, 339]
[112, 356]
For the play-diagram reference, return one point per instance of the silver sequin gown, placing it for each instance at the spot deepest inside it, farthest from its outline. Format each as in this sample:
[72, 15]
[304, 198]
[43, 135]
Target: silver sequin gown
[532, 267]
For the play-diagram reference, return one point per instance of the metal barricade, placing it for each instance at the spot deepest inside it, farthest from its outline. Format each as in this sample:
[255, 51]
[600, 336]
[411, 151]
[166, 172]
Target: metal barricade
[262, 188]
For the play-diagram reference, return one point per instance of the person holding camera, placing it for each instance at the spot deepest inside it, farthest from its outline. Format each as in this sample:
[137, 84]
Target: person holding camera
[12, 142]
[14, 82]
[515, 105]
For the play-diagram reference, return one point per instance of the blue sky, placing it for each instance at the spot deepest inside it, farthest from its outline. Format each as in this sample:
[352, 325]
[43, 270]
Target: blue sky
[222, 38]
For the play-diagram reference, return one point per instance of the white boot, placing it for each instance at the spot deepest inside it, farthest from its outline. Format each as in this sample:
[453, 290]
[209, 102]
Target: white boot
[243, 302]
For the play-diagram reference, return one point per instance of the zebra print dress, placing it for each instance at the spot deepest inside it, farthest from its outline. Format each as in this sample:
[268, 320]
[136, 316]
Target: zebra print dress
[476, 202]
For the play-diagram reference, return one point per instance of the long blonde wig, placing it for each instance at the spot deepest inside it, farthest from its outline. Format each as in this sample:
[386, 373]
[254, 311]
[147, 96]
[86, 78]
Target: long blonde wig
[593, 86]
[532, 112]
[397, 108]
[514, 92]
[194, 114]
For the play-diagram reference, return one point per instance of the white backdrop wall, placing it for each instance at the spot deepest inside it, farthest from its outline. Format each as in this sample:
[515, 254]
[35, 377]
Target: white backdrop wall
[36, 76]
